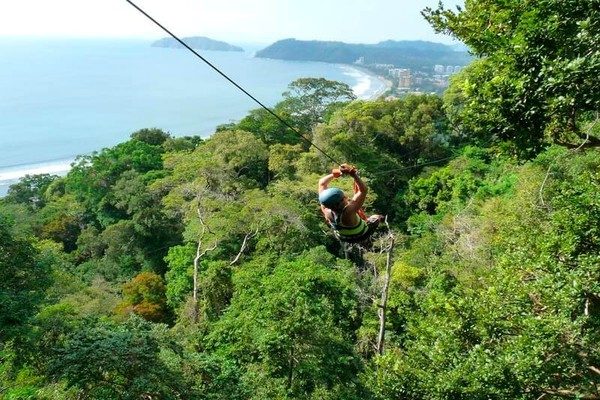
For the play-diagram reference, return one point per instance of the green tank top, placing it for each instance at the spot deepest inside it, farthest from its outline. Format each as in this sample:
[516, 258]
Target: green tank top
[349, 232]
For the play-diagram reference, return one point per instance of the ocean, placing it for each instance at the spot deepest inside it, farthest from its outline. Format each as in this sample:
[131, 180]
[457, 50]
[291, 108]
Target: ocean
[60, 98]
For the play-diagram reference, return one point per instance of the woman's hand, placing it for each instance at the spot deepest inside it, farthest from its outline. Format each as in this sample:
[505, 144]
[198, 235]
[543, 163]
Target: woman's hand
[347, 169]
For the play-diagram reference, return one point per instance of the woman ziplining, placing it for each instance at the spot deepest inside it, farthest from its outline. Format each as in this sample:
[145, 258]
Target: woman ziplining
[344, 215]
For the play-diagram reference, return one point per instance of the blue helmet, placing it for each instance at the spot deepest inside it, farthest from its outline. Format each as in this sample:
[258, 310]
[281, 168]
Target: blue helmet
[331, 197]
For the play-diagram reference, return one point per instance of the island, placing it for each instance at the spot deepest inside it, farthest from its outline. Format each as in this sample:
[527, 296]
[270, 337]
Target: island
[411, 65]
[196, 42]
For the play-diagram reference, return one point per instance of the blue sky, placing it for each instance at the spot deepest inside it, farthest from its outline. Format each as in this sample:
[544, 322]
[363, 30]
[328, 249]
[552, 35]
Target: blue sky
[259, 21]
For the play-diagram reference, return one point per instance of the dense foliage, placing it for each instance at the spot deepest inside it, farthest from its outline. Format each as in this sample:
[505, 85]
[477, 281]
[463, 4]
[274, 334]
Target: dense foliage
[538, 75]
[188, 268]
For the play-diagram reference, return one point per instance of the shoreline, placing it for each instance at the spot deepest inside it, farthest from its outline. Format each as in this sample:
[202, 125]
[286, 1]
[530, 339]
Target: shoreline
[387, 84]
[366, 80]
[13, 174]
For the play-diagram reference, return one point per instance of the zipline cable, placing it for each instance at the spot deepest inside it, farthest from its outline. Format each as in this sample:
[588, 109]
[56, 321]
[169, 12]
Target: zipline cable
[284, 122]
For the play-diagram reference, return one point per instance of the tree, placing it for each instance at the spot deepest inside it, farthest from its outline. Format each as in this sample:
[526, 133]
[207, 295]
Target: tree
[282, 160]
[108, 196]
[140, 203]
[144, 295]
[308, 99]
[179, 274]
[307, 102]
[92, 177]
[23, 279]
[61, 220]
[542, 61]
[30, 190]
[185, 143]
[473, 175]
[153, 136]
[118, 361]
[267, 127]
[291, 327]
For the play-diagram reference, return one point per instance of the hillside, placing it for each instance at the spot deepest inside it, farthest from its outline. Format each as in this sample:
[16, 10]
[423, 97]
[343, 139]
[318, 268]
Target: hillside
[196, 42]
[416, 55]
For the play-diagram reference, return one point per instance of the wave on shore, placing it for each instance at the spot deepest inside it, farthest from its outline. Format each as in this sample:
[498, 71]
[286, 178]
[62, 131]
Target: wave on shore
[368, 86]
[11, 175]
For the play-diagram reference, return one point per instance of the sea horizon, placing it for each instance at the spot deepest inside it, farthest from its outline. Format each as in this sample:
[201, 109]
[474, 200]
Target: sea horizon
[68, 98]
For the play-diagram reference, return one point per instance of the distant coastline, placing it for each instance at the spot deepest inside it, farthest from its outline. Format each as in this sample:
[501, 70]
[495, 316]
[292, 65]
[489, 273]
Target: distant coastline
[12, 175]
[417, 55]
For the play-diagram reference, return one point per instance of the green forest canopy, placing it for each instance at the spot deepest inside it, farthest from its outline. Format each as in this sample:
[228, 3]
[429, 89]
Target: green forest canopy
[182, 268]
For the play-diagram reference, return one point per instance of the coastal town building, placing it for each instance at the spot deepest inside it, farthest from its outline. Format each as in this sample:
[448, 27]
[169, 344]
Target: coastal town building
[405, 80]
[403, 75]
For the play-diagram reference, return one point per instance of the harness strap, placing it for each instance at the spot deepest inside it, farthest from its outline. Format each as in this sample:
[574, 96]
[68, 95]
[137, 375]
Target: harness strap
[348, 231]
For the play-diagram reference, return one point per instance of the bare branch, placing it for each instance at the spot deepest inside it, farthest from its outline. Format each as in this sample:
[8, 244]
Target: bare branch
[196, 261]
[586, 308]
[595, 370]
[195, 288]
[214, 246]
[541, 193]
[589, 141]
[243, 248]
[204, 226]
[571, 393]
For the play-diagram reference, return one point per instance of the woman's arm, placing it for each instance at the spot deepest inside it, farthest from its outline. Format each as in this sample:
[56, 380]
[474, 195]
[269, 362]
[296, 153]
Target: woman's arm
[360, 193]
[324, 181]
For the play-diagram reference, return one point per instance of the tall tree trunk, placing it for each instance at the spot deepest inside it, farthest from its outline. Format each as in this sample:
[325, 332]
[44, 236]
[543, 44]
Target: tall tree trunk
[195, 289]
[291, 365]
[197, 259]
[384, 296]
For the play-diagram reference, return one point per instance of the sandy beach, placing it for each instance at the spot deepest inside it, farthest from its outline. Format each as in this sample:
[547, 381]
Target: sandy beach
[369, 86]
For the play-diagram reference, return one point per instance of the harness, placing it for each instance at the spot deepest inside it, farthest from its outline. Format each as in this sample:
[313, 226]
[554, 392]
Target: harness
[347, 232]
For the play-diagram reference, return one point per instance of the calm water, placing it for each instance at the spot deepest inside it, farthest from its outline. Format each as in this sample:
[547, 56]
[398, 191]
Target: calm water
[62, 98]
